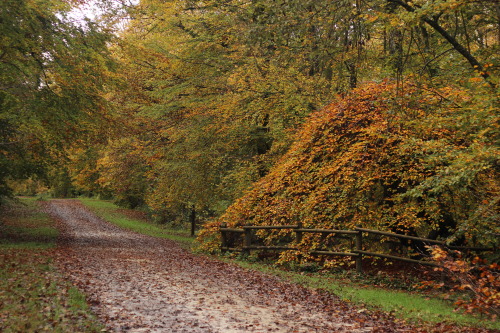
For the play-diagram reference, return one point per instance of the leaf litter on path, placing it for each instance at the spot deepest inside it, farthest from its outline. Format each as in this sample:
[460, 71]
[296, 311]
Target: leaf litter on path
[137, 283]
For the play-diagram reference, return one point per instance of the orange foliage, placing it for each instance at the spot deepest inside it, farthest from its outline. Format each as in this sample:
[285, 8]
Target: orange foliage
[363, 161]
[479, 279]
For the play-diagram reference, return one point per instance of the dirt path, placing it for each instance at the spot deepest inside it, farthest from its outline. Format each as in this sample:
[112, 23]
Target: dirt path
[138, 283]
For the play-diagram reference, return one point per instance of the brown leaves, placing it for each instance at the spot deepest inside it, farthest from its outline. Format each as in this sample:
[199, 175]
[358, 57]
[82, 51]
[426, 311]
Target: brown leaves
[477, 282]
[34, 298]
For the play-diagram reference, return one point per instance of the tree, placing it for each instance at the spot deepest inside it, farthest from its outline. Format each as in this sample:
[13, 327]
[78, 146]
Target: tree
[402, 163]
[52, 74]
[218, 88]
[434, 13]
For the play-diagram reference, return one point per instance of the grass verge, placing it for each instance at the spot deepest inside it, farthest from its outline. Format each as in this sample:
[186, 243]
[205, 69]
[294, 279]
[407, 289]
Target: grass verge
[33, 296]
[116, 215]
[24, 226]
[410, 306]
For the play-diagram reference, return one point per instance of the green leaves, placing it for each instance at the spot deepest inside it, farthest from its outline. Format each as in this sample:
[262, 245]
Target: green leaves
[52, 80]
[214, 92]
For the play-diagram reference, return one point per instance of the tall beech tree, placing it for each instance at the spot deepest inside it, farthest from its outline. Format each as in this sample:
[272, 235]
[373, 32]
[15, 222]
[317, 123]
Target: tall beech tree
[52, 78]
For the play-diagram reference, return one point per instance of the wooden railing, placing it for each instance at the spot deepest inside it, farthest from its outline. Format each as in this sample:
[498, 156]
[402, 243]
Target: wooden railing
[356, 235]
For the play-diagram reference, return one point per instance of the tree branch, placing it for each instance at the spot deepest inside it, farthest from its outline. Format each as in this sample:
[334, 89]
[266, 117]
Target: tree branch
[452, 40]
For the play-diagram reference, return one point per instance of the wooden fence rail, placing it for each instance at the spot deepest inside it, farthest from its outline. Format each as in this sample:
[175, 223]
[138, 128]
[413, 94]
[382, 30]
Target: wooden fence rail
[356, 236]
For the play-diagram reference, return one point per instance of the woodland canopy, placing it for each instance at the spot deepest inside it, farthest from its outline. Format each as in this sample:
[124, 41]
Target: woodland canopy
[334, 113]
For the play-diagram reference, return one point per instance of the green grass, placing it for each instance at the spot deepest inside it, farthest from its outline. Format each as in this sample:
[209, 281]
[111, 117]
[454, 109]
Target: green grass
[25, 226]
[411, 306]
[34, 298]
[33, 295]
[114, 214]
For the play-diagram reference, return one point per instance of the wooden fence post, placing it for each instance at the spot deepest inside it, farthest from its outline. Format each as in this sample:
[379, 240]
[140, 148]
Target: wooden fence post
[223, 234]
[298, 239]
[298, 234]
[359, 247]
[192, 218]
[248, 240]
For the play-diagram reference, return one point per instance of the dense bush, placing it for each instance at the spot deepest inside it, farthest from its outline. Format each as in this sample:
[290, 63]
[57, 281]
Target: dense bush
[407, 159]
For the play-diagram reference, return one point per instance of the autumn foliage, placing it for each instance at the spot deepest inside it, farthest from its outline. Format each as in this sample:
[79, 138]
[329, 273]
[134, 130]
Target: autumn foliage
[392, 158]
[192, 103]
[477, 281]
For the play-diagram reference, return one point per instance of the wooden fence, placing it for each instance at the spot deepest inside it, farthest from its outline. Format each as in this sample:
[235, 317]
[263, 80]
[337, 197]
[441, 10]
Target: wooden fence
[356, 235]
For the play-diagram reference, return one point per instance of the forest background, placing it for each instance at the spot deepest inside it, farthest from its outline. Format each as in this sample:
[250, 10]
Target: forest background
[333, 113]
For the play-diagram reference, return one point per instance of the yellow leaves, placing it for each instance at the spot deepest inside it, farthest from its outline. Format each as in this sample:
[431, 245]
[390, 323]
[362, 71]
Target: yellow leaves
[371, 18]
[476, 79]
